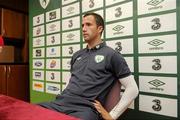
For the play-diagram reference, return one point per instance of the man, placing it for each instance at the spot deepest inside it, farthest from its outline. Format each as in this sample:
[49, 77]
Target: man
[94, 70]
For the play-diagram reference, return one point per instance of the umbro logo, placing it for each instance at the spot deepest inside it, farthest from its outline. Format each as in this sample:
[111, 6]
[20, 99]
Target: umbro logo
[156, 42]
[156, 83]
[155, 2]
[70, 36]
[70, 10]
[78, 58]
[118, 29]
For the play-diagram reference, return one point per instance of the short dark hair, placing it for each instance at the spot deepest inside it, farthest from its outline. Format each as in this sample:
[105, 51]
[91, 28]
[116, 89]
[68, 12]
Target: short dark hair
[98, 18]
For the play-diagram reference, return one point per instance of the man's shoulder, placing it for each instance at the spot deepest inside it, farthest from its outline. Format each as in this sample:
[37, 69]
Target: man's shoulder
[81, 51]
[112, 54]
[110, 50]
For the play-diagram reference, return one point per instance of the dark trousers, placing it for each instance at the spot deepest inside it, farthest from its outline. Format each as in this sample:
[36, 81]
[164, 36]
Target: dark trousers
[85, 113]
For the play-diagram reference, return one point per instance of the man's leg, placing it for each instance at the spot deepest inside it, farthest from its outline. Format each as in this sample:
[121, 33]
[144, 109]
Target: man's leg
[51, 106]
[86, 115]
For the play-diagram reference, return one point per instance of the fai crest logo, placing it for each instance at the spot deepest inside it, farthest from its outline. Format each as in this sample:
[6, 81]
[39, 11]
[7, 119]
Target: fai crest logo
[44, 3]
[99, 58]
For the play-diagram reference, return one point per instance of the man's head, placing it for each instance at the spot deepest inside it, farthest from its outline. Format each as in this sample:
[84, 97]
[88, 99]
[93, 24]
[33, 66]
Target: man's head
[98, 18]
[92, 26]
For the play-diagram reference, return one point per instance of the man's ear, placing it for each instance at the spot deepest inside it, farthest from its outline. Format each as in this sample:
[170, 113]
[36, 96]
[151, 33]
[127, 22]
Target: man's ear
[100, 28]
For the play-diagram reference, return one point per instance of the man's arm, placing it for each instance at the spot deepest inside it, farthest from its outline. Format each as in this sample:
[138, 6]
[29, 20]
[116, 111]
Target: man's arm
[130, 93]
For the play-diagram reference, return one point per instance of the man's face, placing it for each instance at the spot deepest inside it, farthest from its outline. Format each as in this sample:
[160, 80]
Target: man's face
[90, 30]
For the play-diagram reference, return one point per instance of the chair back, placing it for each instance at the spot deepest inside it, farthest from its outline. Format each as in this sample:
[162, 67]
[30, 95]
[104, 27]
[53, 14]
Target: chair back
[113, 96]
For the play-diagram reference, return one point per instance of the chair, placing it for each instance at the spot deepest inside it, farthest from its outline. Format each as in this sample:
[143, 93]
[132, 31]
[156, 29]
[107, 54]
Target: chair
[113, 96]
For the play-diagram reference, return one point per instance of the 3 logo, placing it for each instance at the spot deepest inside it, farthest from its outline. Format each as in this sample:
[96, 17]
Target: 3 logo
[91, 5]
[71, 50]
[119, 12]
[70, 25]
[157, 106]
[157, 65]
[118, 47]
[156, 24]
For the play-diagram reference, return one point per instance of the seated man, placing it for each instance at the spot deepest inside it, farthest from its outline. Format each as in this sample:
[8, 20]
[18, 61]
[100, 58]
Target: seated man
[94, 70]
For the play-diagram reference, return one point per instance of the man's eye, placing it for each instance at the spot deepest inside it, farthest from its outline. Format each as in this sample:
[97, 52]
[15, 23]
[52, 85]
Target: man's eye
[88, 24]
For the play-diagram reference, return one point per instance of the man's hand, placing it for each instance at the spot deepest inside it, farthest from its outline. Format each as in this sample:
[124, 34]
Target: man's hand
[102, 110]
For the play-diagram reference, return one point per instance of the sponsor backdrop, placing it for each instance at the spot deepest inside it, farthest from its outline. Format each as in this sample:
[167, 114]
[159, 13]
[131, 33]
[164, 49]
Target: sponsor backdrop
[144, 31]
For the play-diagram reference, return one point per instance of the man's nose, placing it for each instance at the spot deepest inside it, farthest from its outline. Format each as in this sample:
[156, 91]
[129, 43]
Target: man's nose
[84, 28]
